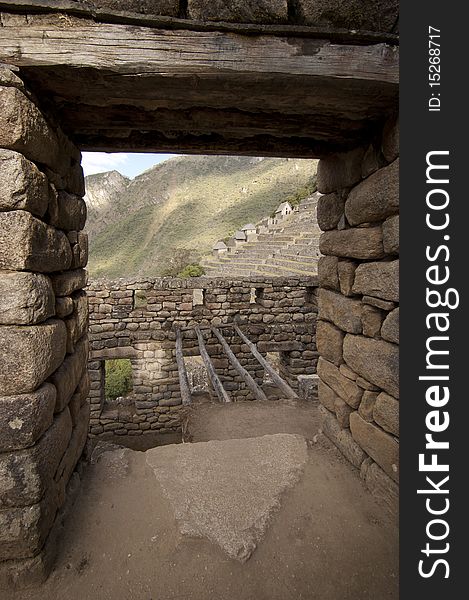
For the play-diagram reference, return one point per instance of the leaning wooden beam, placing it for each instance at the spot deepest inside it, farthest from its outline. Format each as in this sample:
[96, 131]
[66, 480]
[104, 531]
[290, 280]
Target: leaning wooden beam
[214, 379]
[183, 380]
[252, 385]
[279, 382]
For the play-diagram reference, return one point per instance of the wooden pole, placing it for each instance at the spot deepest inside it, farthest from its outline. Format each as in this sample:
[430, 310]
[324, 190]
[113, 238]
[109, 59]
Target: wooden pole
[279, 382]
[214, 379]
[252, 385]
[183, 379]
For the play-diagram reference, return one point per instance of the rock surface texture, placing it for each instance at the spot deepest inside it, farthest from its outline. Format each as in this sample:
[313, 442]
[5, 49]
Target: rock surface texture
[358, 303]
[42, 430]
[227, 491]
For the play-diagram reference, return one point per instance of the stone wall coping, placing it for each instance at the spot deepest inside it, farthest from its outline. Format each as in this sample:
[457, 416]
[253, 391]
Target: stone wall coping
[197, 283]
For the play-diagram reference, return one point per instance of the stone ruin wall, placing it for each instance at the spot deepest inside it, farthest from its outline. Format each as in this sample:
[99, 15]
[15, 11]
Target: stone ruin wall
[135, 319]
[43, 327]
[372, 15]
[358, 328]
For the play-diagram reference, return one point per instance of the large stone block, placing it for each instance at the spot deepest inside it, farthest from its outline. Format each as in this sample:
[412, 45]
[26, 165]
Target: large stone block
[326, 395]
[376, 361]
[344, 312]
[73, 453]
[390, 328]
[80, 251]
[364, 243]
[382, 487]
[329, 342]
[346, 271]
[28, 244]
[23, 187]
[64, 284]
[9, 79]
[386, 413]
[347, 389]
[23, 530]
[367, 405]
[372, 319]
[390, 143]
[68, 375]
[24, 418]
[391, 235]
[239, 11]
[24, 129]
[25, 298]
[377, 15]
[26, 474]
[69, 212]
[375, 198]
[166, 8]
[382, 447]
[378, 279]
[28, 355]
[329, 211]
[340, 171]
[342, 438]
[327, 272]
[342, 412]
[77, 324]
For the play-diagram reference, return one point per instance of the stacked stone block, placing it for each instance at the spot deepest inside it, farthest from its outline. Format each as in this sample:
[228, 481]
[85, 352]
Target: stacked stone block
[358, 308]
[136, 319]
[44, 411]
[372, 15]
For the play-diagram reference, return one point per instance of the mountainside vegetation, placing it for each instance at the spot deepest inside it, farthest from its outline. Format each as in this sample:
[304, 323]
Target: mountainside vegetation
[163, 221]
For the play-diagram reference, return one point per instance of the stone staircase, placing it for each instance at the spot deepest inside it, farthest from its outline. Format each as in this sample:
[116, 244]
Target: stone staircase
[289, 248]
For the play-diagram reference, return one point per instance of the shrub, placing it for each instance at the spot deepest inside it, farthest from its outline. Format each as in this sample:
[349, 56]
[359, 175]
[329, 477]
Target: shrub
[118, 380]
[192, 271]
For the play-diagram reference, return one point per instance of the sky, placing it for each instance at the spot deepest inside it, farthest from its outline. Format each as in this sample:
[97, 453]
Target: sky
[128, 164]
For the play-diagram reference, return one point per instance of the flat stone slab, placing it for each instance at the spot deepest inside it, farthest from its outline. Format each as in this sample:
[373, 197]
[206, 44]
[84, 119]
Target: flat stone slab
[226, 491]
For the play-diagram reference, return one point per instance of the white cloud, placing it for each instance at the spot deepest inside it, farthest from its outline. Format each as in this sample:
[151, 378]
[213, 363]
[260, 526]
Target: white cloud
[100, 162]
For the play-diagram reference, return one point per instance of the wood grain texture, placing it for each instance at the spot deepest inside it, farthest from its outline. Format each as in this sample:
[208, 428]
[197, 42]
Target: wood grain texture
[128, 88]
[182, 373]
[217, 385]
[132, 50]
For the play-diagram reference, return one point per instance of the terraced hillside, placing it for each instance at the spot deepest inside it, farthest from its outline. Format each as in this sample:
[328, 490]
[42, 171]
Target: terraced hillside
[172, 214]
[289, 248]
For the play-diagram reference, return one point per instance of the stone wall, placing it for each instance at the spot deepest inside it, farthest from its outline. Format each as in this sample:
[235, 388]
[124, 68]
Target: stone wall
[135, 319]
[368, 15]
[44, 414]
[358, 327]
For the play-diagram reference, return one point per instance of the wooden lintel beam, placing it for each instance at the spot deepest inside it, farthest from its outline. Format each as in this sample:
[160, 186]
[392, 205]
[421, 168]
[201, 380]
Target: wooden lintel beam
[252, 385]
[183, 379]
[217, 385]
[278, 381]
[133, 50]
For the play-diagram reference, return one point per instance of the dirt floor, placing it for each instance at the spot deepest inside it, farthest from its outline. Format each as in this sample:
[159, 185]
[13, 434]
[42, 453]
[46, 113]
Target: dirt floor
[329, 539]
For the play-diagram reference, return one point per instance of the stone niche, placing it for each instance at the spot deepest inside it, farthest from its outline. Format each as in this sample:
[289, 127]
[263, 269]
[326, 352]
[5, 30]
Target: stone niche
[358, 302]
[136, 319]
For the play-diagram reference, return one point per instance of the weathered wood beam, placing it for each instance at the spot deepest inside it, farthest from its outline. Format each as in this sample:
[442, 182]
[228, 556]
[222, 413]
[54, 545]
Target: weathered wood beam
[207, 120]
[183, 379]
[217, 385]
[252, 385]
[133, 50]
[278, 381]
[211, 144]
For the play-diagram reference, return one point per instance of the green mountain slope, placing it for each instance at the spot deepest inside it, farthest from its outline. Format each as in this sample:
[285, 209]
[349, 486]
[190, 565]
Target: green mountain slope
[178, 209]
